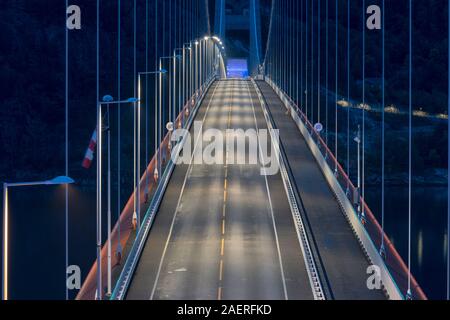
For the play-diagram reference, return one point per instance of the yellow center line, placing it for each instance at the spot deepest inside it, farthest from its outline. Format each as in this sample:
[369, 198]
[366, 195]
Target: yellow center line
[225, 187]
[221, 270]
[219, 293]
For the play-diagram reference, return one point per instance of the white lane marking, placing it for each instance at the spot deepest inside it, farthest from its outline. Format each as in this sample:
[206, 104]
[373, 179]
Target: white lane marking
[270, 202]
[180, 197]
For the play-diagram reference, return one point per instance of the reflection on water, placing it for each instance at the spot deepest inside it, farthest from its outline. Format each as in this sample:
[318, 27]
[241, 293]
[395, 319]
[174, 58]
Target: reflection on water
[429, 238]
[420, 249]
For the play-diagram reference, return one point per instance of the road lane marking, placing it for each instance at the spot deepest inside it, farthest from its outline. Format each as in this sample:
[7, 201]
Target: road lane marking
[221, 270]
[180, 198]
[219, 293]
[225, 187]
[270, 202]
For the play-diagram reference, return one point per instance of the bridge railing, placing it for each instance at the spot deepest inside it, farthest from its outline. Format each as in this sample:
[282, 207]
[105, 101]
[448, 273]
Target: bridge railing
[397, 268]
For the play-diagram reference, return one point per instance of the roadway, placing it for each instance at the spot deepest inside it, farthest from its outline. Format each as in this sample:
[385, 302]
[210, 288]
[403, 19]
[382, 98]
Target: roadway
[339, 254]
[223, 231]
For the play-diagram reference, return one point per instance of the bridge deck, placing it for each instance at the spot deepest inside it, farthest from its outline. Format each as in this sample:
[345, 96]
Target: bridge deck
[217, 235]
[342, 257]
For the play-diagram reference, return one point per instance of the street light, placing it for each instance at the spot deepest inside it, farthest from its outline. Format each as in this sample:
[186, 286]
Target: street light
[61, 180]
[107, 100]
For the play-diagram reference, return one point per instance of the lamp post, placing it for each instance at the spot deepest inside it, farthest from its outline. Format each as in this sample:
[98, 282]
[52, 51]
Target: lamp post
[197, 69]
[62, 180]
[107, 100]
[138, 186]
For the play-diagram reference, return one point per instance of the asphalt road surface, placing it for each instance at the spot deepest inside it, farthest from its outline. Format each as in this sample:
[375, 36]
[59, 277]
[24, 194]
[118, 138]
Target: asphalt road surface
[223, 231]
[341, 256]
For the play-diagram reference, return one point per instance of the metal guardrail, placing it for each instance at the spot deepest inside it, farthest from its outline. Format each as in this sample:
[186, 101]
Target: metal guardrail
[131, 263]
[313, 274]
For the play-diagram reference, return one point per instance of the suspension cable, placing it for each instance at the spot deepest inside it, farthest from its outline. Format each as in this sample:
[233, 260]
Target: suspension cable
[318, 61]
[269, 38]
[364, 105]
[99, 133]
[336, 94]
[302, 92]
[155, 174]
[306, 59]
[298, 68]
[146, 100]
[382, 251]
[312, 63]
[291, 52]
[118, 249]
[327, 71]
[292, 48]
[348, 92]
[135, 204]
[448, 168]
[67, 149]
[409, 294]
[284, 46]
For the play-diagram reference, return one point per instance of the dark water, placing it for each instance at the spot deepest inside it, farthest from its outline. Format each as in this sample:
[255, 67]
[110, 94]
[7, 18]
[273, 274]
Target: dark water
[429, 231]
[37, 240]
[37, 245]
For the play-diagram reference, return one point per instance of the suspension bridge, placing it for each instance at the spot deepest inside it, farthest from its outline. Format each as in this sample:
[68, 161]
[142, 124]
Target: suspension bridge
[230, 231]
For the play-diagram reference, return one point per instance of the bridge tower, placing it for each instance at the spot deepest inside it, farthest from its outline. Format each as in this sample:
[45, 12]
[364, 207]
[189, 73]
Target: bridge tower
[237, 22]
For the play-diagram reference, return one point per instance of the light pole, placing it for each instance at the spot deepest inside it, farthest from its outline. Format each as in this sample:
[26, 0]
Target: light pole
[137, 187]
[62, 180]
[187, 80]
[197, 68]
[107, 100]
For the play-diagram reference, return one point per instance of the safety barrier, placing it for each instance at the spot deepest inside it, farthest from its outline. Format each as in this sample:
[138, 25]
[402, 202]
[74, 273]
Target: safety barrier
[394, 272]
